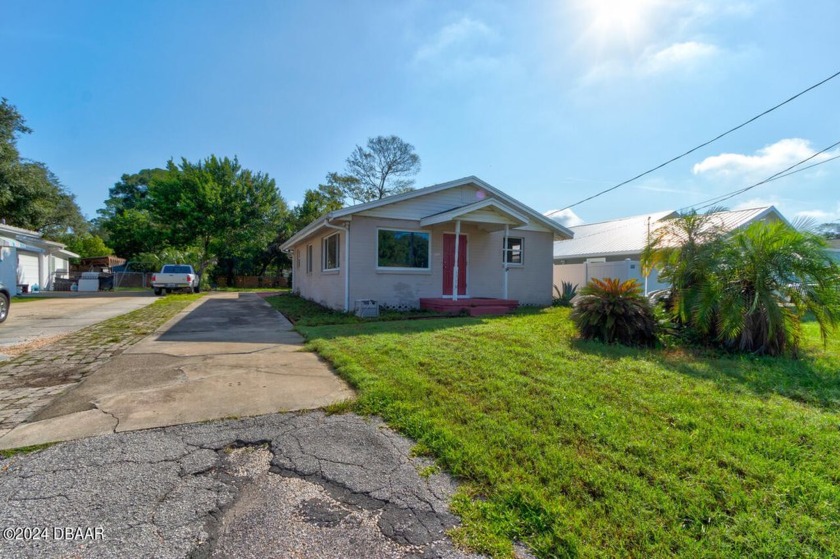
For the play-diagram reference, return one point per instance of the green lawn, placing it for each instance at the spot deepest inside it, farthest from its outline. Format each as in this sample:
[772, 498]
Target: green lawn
[17, 299]
[580, 449]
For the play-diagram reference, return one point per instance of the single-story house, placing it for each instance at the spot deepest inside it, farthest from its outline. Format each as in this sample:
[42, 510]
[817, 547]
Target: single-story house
[614, 248]
[29, 262]
[459, 242]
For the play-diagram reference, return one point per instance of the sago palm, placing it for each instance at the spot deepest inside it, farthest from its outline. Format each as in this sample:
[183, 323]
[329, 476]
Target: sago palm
[610, 310]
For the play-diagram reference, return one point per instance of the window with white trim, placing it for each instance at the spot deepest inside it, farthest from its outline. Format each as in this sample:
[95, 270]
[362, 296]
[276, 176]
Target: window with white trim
[308, 259]
[513, 250]
[330, 252]
[403, 249]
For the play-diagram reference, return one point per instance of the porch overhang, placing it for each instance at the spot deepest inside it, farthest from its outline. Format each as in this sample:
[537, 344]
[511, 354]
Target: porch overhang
[491, 214]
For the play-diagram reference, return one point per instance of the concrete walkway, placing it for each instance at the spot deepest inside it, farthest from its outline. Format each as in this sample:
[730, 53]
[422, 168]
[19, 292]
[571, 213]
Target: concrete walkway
[227, 355]
[63, 313]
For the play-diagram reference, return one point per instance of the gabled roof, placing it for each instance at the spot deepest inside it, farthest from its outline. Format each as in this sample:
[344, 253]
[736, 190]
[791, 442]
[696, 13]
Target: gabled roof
[628, 236]
[509, 202]
[504, 212]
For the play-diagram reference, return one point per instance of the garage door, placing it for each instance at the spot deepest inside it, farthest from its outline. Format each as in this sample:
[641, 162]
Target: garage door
[27, 268]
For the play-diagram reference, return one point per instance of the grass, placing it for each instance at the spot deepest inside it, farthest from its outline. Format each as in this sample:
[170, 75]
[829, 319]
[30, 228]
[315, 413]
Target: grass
[17, 300]
[9, 453]
[581, 449]
[306, 313]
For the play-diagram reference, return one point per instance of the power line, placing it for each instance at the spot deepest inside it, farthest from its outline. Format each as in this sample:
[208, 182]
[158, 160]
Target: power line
[781, 174]
[704, 144]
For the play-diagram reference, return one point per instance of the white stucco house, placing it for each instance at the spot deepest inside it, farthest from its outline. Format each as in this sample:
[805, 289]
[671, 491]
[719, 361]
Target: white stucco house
[29, 262]
[614, 248]
[462, 243]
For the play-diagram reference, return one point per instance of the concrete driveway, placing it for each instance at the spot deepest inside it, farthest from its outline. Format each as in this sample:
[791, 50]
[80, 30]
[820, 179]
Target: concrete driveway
[227, 355]
[62, 313]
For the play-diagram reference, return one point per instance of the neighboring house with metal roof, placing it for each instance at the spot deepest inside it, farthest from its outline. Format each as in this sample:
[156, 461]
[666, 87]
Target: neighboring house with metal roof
[461, 241]
[614, 248]
[29, 262]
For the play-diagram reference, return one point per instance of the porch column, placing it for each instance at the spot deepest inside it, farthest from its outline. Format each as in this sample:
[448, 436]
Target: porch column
[505, 262]
[455, 267]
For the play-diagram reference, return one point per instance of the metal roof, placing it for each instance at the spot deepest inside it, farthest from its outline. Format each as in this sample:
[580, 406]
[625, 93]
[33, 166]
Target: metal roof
[628, 236]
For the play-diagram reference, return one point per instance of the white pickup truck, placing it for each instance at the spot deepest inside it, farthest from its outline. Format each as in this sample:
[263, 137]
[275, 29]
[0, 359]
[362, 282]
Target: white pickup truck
[175, 277]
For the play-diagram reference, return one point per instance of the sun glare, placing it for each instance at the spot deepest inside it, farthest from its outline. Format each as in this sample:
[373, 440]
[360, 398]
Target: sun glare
[617, 22]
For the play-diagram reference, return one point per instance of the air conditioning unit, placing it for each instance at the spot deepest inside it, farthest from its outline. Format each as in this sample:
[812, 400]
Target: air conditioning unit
[367, 308]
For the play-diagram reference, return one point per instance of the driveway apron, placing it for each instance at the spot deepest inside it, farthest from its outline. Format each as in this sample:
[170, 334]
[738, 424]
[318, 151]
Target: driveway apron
[228, 355]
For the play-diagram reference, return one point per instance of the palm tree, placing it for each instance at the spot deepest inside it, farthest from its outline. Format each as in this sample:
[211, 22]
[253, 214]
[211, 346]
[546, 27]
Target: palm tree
[769, 276]
[686, 249]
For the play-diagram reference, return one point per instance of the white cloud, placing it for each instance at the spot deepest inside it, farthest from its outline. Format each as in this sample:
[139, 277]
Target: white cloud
[820, 216]
[639, 39]
[464, 33]
[678, 56]
[756, 203]
[566, 217]
[686, 58]
[765, 162]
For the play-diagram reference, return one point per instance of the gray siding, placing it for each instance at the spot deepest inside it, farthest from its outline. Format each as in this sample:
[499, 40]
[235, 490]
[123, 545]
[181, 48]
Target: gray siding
[531, 284]
[324, 287]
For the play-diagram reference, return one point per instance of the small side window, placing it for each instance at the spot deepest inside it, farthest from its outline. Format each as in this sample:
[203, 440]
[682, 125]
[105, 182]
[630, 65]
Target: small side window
[513, 251]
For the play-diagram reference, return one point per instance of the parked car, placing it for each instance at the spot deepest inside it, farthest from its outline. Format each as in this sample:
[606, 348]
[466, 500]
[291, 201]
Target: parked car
[5, 299]
[175, 277]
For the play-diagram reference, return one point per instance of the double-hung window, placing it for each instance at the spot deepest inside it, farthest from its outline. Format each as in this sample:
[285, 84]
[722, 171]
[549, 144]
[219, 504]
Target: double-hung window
[331, 252]
[403, 249]
[513, 251]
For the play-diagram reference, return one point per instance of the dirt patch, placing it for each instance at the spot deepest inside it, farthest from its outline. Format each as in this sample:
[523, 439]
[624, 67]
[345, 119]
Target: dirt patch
[21, 348]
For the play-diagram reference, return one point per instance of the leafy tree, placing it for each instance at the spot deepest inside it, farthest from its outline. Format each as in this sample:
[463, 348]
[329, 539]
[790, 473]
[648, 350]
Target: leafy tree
[217, 206]
[326, 198]
[31, 196]
[381, 169]
[130, 193]
[87, 245]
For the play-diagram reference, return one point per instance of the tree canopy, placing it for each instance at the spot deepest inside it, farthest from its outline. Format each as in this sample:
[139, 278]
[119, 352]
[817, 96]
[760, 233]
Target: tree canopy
[31, 196]
[380, 169]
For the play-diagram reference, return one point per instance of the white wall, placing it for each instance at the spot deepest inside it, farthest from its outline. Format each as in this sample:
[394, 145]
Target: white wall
[580, 274]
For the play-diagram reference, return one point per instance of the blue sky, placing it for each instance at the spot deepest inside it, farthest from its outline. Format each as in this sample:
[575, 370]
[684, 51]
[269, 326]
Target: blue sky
[549, 101]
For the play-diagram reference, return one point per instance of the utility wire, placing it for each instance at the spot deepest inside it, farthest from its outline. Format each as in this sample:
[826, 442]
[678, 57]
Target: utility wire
[781, 174]
[704, 144]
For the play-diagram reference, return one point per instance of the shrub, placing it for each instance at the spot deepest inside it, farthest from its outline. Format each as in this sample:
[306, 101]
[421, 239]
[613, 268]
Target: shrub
[610, 310]
[564, 297]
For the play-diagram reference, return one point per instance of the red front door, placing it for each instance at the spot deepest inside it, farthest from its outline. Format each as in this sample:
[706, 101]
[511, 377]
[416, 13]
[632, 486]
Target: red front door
[449, 263]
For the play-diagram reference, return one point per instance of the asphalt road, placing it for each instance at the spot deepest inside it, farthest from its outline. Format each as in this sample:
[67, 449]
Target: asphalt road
[281, 485]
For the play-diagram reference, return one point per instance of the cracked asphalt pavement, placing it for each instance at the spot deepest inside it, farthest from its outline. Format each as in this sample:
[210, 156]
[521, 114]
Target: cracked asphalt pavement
[282, 485]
